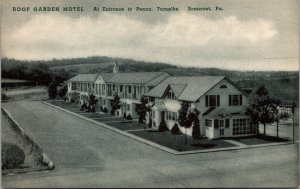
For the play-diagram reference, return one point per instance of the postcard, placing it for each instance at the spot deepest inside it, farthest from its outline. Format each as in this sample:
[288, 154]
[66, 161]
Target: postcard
[149, 93]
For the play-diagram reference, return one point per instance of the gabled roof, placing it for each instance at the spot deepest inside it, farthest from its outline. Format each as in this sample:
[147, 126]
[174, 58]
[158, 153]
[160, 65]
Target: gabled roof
[84, 77]
[177, 88]
[195, 86]
[138, 78]
[106, 76]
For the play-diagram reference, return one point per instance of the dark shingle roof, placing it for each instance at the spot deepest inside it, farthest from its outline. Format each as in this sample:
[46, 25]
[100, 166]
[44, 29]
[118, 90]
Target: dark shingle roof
[106, 76]
[195, 86]
[177, 88]
[138, 78]
[84, 77]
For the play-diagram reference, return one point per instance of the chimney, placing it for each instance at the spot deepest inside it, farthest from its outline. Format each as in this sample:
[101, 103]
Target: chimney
[116, 68]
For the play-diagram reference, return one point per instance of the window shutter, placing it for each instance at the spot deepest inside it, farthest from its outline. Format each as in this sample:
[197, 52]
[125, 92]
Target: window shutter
[229, 100]
[218, 100]
[206, 100]
[241, 99]
[216, 123]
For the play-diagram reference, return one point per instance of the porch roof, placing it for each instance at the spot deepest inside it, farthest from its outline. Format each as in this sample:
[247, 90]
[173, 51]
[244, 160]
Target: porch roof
[160, 106]
[224, 112]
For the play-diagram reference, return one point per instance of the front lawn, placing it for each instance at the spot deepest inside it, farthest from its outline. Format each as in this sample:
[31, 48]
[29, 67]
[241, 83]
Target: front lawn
[134, 125]
[259, 139]
[177, 142]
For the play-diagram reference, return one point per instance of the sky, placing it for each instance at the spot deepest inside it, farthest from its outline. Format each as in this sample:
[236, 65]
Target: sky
[245, 35]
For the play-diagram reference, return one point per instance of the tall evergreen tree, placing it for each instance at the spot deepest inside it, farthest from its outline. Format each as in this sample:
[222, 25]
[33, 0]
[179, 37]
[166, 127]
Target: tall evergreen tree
[184, 118]
[196, 127]
[142, 109]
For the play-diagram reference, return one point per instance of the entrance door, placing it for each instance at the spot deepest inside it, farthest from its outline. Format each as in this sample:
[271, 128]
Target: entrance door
[221, 127]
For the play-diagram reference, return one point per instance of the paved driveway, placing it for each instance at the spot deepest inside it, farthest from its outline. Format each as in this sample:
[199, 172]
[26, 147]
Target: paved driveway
[87, 155]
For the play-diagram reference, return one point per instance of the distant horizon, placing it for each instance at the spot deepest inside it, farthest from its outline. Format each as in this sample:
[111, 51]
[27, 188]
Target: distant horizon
[150, 62]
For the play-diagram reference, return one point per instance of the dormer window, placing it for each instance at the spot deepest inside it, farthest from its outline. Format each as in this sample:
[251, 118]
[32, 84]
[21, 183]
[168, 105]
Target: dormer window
[223, 86]
[170, 95]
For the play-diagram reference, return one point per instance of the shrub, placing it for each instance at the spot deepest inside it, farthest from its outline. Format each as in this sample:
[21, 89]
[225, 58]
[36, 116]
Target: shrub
[105, 110]
[112, 112]
[129, 117]
[63, 91]
[4, 96]
[175, 130]
[284, 116]
[162, 126]
[12, 156]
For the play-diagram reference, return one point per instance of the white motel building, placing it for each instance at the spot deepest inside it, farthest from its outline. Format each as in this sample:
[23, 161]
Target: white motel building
[221, 103]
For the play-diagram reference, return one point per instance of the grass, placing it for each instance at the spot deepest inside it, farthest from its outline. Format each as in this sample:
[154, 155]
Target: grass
[33, 157]
[177, 142]
[258, 139]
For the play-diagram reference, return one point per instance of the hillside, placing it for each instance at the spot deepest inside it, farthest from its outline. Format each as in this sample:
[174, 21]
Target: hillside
[283, 85]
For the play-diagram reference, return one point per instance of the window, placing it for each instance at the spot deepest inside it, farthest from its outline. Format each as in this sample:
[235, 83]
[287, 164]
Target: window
[242, 126]
[170, 95]
[121, 88]
[221, 123]
[171, 116]
[129, 89]
[235, 100]
[208, 123]
[212, 100]
[128, 107]
[114, 87]
[223, 87]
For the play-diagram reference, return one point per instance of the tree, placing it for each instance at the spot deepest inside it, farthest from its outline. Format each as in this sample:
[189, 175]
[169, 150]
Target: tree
[175, 129]
[142, 109]
[92, 101]
[63, 91]
[262, 108]
[196, 127]
[52, 90]
[115, 104]
[162, 126]
[184, 118]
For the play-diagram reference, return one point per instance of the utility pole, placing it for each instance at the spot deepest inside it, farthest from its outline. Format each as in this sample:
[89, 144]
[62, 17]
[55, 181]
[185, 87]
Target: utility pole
[293, 110]
[277, 125]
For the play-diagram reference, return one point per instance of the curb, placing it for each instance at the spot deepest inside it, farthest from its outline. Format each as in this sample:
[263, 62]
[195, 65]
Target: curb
[163, 148]
[45, 160]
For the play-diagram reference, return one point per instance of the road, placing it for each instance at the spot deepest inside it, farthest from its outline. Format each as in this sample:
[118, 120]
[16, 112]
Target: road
[87, 155]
